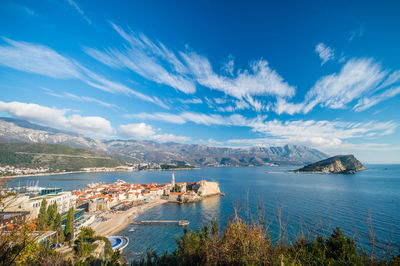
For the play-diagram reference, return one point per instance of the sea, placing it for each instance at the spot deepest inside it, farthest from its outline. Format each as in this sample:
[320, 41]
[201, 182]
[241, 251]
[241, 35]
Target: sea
[365, 206]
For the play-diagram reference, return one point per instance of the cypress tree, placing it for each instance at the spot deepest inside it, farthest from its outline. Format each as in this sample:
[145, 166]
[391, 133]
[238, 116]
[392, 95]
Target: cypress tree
[42, 217]
[51, 214]
[57, 226]
[69, 226]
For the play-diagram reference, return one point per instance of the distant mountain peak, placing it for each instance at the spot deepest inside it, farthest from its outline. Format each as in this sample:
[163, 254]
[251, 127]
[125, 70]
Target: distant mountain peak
[27, 124]
[138, 151]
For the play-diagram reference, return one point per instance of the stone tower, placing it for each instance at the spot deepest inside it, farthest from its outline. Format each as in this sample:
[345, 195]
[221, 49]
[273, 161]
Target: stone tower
[173, 180]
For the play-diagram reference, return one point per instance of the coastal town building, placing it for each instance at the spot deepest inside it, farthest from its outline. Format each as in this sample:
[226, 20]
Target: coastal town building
[24, 202]
[9, 219]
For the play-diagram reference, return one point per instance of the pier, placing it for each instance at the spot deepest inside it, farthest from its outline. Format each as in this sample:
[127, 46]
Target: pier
[179, 222]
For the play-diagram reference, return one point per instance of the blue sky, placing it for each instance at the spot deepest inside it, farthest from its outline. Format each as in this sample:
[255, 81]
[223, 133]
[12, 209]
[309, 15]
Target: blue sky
[321, 74]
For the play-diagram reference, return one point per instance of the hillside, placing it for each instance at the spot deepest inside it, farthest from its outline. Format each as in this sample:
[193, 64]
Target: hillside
[201, 155]
[139, 151]
[53, 156]
[340, 164]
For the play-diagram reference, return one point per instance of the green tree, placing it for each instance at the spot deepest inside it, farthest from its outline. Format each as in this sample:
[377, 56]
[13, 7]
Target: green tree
[57, 226]
[51, 214]
[69, 226]
[176, 188]
[42, 217]
[86, 234]
[84, 243]
[341, 249]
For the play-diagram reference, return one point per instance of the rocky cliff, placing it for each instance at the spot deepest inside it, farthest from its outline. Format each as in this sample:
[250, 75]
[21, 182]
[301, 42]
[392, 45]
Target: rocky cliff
[205, 188]
[340, 164]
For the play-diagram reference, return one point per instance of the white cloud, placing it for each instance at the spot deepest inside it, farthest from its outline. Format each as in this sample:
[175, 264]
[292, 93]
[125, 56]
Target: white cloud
[325, 134]
[144, 58]
[367, 102]
[197, 118]
[191, 101]
[170, 138]
[228, 109]
[81, 98]
[324, 52]
[261, 80]
[183, 70]
[39, 59]
[283, 106]
[358, 78]
[321, 133]
[58, 118]
[317, 134]
[357, 33]
[165, 117]
[142, 130]
[135, 130]
[79, 10]
[229, 66]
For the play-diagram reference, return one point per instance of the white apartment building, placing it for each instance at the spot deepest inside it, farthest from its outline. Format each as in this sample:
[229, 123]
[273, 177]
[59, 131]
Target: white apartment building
[64, 200]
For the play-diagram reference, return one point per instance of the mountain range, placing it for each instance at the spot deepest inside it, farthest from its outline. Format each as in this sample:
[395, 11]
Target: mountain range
[144, 151]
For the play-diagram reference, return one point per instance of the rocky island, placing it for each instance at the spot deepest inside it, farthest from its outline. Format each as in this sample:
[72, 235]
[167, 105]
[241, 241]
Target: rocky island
[339, 164]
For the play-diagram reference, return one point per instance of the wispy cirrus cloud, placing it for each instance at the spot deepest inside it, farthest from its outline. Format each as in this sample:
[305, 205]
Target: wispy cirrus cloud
[152, 61]
[319, 134]
[80, 98]
[367, 102]
[197, 118]
[359, 79]
[38, 59]
[74, 4]
[58, 118]
[42, 60]
[185, 69]
[261, 80]
[191, 101]
[324, 52]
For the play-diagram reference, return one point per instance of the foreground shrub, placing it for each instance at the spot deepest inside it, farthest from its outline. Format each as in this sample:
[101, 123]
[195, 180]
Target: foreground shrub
[250, 244]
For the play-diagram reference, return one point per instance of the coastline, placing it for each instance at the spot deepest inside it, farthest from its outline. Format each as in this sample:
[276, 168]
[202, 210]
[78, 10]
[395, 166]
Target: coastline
[118, 221]
[79, 172]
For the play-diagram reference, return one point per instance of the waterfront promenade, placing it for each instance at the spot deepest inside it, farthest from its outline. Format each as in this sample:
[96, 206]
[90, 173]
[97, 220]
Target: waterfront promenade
[113, 222]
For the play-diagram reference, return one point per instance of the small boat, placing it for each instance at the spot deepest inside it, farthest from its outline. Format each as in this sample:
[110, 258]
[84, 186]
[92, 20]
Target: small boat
[132, 230]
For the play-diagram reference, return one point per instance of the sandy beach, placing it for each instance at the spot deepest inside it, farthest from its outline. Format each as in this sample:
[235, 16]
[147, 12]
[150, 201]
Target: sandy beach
[115, 222]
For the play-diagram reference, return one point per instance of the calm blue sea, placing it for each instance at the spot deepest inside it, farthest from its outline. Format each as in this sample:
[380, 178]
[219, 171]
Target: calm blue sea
[308, 202]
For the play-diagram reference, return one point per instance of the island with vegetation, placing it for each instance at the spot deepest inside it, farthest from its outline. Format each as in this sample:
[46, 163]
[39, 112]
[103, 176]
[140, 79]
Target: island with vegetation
[176, 166]
[339, 164]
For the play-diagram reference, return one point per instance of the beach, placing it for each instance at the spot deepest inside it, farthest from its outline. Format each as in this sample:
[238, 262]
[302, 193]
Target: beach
[113, 222]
